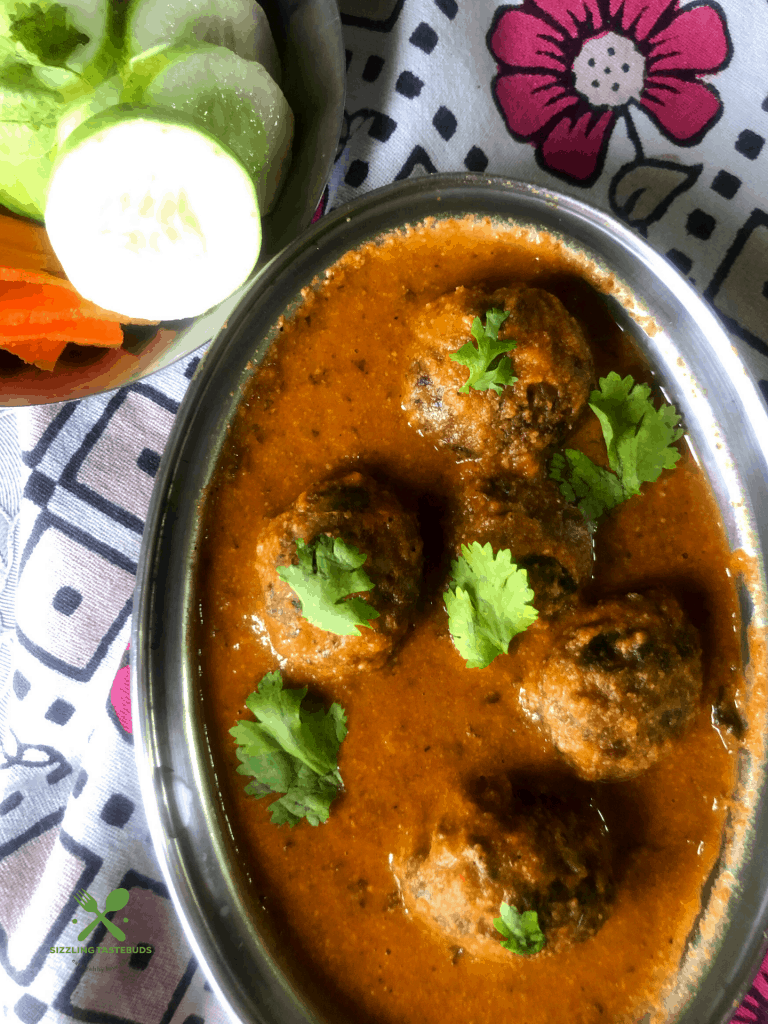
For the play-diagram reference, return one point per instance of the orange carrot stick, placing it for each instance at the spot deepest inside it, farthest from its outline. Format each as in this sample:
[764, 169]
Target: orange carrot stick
[20, 299]
[10, 256]
[39, 277]
[42, 352]
[83, 332]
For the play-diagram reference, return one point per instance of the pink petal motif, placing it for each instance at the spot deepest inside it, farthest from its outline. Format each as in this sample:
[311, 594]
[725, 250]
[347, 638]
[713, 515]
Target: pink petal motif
[694, 41]
[573, 147]
[530, 101]
[683, 109]
[120, 695]
[320, 209]
[639, 16]
[524, 40]
[579, 18]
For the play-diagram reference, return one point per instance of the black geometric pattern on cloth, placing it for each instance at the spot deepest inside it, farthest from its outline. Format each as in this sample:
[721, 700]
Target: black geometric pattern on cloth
[374, 22]
[747, 258]
[51, 758]
[69, 477]
[32, 458]
[114, 619]
[418, 157]
[30, 1010]
[91, 865]
[68, 501]
[132, 881]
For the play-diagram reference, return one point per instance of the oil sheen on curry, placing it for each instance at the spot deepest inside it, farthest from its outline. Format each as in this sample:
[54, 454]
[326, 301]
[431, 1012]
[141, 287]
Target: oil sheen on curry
[582, 776]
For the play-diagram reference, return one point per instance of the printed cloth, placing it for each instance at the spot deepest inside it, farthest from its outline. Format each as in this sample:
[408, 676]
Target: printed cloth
[656, 110]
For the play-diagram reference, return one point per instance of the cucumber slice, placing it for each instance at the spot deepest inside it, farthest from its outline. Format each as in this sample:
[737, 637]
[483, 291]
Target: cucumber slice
[233, 99]
[236, 100]
[239, 25]
[151, 217]
[108, 94]
[129, 86]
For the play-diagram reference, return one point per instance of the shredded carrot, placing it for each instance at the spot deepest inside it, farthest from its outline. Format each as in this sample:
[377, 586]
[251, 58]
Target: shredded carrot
[10, 257]
[40, 277]
[43, 352]
[83, 332]
[34, 277]
[40, 310]
[23, 233]
[21, 301]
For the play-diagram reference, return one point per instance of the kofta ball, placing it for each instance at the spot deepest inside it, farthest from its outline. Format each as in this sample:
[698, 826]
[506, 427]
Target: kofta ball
[623, 681]
[551, 360]
[537, 848]
[369, 518]
[547, 535]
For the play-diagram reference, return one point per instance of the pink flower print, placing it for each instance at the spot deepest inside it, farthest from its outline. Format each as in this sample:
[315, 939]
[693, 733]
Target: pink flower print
[119, 702]
[568, 69]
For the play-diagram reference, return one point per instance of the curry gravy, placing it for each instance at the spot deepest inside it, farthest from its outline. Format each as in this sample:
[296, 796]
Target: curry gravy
[327, 398]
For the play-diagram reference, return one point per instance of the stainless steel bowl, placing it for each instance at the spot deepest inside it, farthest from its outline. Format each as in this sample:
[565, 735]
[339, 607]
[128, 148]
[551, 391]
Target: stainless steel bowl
[308, 37]
[727, 426]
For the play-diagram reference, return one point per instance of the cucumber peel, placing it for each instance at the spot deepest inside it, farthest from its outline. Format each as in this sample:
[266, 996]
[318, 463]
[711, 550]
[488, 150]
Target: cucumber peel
[239, 25]
[235, 100]
[150, 215]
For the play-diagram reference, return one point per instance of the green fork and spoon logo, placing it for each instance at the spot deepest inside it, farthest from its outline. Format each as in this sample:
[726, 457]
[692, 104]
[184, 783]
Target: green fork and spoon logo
[116, 900]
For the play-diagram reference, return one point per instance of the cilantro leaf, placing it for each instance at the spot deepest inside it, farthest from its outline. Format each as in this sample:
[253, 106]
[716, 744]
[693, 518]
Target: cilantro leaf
[43, 33]
[488, 603]
[29, 113]
[486, 369]
[521, 932]
[638, 439]
[26, 101]
[593, 489]
[329, 571]
[292, 750]
[637, 435]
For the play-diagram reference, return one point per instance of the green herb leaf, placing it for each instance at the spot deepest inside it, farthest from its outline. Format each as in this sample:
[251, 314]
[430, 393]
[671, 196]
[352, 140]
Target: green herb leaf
[26, 101]
[43, 32]
[521, 932]
[292, 749]
[637, 435]
[593, 489]
[329, 571]
[486, 369]
[29, 112]
[488, 603]
[639, 440]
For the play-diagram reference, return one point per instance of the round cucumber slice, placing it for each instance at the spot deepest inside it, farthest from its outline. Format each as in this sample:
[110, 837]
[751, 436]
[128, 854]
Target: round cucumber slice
[237, 101]
[129, 86]
[239, 25]
[151, 217]
[108, 94]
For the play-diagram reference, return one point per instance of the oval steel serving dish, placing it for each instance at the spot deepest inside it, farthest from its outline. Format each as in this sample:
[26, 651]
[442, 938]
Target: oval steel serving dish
[728, 427]
[308, 37]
